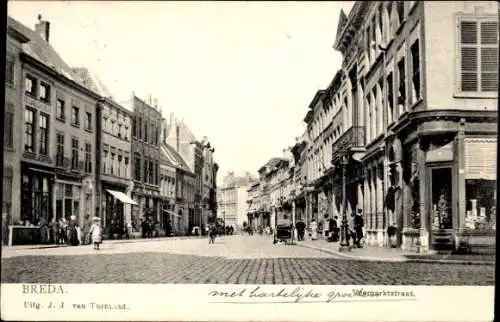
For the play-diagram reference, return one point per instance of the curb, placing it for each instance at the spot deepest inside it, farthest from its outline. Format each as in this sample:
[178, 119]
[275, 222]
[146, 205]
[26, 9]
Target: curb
[107, 241]
[405, 260]
[354, 257]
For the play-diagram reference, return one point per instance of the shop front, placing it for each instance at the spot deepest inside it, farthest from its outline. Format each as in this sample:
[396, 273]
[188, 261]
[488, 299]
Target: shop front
[448, 187]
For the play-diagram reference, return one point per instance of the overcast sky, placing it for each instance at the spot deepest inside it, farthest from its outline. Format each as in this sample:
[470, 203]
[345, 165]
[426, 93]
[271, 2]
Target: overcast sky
[240, 73]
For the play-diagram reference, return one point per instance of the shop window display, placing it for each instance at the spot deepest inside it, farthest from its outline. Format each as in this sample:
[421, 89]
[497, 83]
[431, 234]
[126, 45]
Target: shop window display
[480, 204]
[441, 199]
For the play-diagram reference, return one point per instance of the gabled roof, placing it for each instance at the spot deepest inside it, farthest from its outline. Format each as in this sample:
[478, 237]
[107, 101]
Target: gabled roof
[92, 82]
[43, 51]
[185, 134]
[173, 158]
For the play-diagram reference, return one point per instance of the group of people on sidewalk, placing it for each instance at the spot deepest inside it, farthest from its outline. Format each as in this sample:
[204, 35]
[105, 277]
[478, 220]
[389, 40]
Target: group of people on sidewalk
[69, 232]
[332, 232]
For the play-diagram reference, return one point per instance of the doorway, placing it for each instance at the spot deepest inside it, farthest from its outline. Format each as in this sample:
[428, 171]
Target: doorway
[441, 218]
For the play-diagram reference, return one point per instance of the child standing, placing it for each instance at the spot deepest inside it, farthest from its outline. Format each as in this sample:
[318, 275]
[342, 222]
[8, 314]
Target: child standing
[96, 232]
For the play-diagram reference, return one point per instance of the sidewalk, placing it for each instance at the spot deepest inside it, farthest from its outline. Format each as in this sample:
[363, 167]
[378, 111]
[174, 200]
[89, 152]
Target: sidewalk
[372, 253]
[106, 241]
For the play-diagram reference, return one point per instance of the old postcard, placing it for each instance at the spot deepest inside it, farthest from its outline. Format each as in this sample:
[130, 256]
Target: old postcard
[250, 161]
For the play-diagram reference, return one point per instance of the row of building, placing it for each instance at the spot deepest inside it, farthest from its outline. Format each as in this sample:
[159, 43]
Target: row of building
[71, 149]
[405, 133]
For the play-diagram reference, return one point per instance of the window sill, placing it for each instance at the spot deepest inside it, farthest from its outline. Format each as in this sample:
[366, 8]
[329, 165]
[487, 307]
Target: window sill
[475, 95]
[11, 85]
[77, 125]
[10, 149]
[61, 119]
[88, 130]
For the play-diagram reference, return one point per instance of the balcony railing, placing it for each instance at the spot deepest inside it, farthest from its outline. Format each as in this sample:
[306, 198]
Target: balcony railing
[354, 137]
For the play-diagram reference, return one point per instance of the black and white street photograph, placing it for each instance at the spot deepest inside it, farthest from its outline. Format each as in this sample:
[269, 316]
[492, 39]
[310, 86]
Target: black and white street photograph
[247, 142]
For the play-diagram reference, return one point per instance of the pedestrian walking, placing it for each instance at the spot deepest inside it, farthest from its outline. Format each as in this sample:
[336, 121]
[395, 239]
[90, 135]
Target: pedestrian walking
[96, 232]
[63, 230]
[212, 233]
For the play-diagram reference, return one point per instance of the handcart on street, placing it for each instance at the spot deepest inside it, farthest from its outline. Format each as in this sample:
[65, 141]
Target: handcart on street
[283, 233]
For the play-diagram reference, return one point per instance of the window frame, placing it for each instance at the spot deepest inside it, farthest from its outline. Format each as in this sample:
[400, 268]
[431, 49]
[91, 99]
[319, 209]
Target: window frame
[32, 125]
[43, 147]
[88, 157]
[463, 17]
[74, 152]
[60, 149]
[47, 98]
[61, 114]
[75, 122]
[34, 82]
[88, 121]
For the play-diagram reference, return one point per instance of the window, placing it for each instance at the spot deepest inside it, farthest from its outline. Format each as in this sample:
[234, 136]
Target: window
[146, 167]
[44, 134]
[415, 57]
[75, 116]
[139, 128]
[119, 130]
[8, 130]
[112, 164]
[145, 132]
[105, 124]
[105, 162]
[29, 130]
[119, 165]
[479, 56]
[44, 92]
[60, 149]
[88, 121]
[30, 85]
[74, 153]
[125, 133]
[137, 168]
[60, 109]
[9, 70]
[401, 85]
[390, 96]
[126, 167]
[112, 128]
[88, 157]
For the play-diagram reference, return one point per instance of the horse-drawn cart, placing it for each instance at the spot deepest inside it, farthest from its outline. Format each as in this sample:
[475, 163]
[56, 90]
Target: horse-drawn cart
[283, 233]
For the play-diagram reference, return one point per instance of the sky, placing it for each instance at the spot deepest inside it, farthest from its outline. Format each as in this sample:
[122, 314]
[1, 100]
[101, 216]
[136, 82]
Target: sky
[240, 73]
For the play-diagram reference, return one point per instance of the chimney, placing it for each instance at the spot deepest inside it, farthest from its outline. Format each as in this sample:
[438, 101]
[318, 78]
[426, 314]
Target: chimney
[43, 28]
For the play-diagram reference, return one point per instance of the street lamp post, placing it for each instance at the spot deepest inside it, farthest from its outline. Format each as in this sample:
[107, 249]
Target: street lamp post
[344, 232]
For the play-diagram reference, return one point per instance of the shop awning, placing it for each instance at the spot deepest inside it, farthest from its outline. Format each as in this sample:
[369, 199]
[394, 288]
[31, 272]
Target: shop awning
[122, 197]
[171, 212]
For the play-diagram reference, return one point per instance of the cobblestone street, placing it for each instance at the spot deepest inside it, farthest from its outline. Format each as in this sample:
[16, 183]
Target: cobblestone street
[236, 259]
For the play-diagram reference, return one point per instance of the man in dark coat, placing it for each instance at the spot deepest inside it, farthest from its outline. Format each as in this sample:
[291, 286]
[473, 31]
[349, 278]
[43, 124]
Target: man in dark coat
[333, 228]
[358, 227]
[301, 229]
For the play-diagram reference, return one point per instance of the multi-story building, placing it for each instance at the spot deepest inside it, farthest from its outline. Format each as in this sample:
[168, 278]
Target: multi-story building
[233, 200]
[208, 182]
[421, 89]
[13, 120]
[146, 156]
[114, 188]
[59, 115]
[198, 155]
[253, 204]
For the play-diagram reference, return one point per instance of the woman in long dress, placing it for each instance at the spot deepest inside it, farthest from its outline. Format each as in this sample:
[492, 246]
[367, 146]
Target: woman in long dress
[96, 233]
[314, 228]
